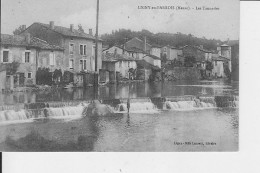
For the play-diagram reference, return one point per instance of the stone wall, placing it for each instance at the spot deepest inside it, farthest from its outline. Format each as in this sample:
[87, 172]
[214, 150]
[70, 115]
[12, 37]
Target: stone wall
[182, 73]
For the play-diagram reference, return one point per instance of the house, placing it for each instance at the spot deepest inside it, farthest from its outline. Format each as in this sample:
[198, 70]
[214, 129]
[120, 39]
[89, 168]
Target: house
[170, 53]
[219, 63]
[156, 50]
[230, 50]
[138, 44]
[133, 52]
[79, 47]
[30, 52]
[119, 66]
[114, 50]
[153, 60]
[145, 70]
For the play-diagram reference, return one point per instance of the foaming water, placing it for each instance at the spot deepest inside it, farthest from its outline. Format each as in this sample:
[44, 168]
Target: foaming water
[70, 112]
[22, 116]
[11, 115]
[137, 107]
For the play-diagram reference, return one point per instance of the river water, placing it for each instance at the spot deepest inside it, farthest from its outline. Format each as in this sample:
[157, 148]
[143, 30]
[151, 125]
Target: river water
[176, 126]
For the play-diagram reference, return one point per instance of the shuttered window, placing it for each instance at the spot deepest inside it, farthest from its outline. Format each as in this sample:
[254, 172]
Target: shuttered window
[71, 48]
[83, 64]
[82, 49]
[5, 56]
[52, 59]
[71, 63]
[27, 57]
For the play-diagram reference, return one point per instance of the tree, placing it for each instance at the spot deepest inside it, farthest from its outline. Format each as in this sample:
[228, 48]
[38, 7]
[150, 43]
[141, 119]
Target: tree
[18, 30]
[209, 65]
[189, 61]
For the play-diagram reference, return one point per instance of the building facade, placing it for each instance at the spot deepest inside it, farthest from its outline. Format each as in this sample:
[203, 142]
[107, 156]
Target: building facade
[29, 53]
[79, 47]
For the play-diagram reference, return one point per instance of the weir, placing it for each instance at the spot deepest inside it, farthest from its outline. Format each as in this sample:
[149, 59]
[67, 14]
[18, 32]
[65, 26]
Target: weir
[137, 105]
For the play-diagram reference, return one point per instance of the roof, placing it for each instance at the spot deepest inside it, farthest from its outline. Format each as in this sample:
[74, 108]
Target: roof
[20, 40]
[113, 46]
[139, 44]
[144, 64]
[153, 56]
[135, 49]
[217, 57]
[224, 45]
[156, 46]
[111, 57]
[67, 32]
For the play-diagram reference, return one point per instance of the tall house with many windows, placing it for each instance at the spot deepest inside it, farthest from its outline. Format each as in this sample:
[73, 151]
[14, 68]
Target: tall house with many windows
[28, 52]
[79, 47]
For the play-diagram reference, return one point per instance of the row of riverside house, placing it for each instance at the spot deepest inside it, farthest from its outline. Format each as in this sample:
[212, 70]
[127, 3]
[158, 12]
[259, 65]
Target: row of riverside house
[117, 58]
[46, 46]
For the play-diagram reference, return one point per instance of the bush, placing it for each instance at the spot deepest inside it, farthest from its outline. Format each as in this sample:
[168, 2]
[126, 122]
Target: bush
[189, 61]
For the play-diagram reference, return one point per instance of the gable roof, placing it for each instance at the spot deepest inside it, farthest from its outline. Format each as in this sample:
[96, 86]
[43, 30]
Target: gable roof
[65, 31]
[20, 40]
[137, 40]
[152, 56]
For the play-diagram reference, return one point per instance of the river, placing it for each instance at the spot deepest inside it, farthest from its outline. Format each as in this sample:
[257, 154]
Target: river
[182, 125]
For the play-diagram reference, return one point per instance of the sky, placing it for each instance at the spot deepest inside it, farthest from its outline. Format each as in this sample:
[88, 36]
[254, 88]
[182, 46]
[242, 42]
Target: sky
[115, 14]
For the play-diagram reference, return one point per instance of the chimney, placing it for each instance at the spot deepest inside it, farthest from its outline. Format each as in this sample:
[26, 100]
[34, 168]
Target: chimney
[145, 43]
[71, 27]
[52, 24]
[23, 27]
[28, 38]
[90, 32]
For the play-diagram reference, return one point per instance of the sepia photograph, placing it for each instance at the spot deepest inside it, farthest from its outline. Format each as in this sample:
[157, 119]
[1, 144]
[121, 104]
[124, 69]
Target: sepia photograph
[119, 76]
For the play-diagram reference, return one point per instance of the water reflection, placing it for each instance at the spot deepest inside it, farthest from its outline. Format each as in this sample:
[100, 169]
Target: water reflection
[132, 90]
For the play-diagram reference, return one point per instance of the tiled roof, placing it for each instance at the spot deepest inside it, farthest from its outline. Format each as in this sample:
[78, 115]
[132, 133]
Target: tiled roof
[110, 57]
[67, 32]
[153, 56]
[134, 49]
[20, 40]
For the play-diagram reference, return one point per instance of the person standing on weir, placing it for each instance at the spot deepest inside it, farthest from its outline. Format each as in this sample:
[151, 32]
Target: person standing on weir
[128, 105]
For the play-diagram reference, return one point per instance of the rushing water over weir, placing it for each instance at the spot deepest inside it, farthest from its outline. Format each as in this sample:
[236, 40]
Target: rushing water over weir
[140, 105]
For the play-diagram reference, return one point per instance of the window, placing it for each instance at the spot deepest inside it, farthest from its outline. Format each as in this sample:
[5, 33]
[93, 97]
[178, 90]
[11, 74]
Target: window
[27, 57]
[83, 64]
[71, 64]
[82, 49]
[71, 49]
[5, 56]
[29, 75]
[52, 59]
[216, 63]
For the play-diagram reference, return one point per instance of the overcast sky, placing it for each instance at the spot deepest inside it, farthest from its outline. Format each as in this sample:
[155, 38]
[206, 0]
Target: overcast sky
[115, 14]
